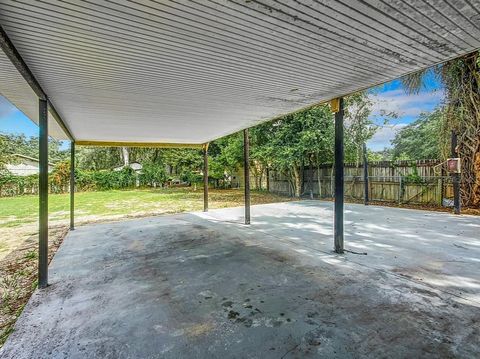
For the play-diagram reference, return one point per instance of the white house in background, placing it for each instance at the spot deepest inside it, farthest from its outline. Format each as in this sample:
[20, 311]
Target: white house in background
[25, 166]
[137, 167]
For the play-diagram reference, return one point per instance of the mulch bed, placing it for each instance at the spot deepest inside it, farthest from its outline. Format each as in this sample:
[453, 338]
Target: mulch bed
[424, 207]
[473, 211]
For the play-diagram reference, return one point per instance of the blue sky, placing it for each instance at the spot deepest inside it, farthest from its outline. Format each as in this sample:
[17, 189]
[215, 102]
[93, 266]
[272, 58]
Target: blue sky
[14, 121]
[389, 97]
[392, 97]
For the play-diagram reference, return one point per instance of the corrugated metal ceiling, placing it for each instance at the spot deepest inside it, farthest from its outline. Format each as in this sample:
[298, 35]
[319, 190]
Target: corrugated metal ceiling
[192, 71]
[17, 90]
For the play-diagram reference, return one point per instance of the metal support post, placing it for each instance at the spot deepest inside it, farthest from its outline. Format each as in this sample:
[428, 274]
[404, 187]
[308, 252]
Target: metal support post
[205, 178]
[339, 185]
[43, 195]
[72, 185]
[246, 167]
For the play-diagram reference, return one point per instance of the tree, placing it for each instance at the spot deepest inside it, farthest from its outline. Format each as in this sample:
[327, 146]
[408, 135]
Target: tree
[359, 126]
[98, 158]
[153, 174]
[226, 156]
[461, 79]
[126, 156]
[421, 139]
[383, 155]
[5, 155]
[20, 144]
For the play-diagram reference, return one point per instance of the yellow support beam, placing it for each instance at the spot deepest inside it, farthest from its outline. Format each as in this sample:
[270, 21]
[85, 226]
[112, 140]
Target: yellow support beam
[139, 144]
[335, 105]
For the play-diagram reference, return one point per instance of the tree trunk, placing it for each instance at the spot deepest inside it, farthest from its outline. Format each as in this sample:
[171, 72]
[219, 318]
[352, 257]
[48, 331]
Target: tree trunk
[476, 185]
[319, 180]
[256, 176]
[302, 183]
[463, 115]
[298, 181]
[268, 179]
[310, 177]
[125, 156]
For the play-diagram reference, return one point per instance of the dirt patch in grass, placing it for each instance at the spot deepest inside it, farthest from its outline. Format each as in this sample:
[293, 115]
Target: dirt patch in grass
[18, 277]
[13, 237]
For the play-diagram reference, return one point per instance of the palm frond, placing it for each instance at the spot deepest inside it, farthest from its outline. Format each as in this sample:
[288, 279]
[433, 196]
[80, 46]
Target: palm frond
[414, 82]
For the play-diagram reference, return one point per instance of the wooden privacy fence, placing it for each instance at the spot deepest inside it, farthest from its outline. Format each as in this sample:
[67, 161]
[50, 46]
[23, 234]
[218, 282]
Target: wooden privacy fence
[419, 182]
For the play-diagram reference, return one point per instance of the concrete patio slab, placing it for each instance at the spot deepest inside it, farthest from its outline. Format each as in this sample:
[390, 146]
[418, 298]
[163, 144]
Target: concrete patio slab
[205, 286]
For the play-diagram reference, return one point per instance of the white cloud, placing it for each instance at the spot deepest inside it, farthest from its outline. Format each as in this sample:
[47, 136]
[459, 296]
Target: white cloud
[404, 104]
[407, 107]
[383, 136]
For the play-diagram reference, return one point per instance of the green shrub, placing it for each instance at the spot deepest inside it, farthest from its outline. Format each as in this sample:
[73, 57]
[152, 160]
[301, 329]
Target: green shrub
[59, 180]
[12, 185]
[413, 178]
[105, 179]
[191, 177]
[153, 174]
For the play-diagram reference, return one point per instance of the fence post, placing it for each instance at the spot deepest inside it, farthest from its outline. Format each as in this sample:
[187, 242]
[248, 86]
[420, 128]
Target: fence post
[455, 177]
[440, 191]
[400, 190]
[442, 186]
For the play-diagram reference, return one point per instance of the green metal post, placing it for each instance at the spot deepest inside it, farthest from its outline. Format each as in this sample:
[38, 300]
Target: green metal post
[339, 185]
[72, 185]
[205, 178]
[43, 195]
[246, 167]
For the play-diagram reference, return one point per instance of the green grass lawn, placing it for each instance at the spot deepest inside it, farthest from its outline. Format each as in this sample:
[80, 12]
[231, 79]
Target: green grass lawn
[18, 211]
[19, 215]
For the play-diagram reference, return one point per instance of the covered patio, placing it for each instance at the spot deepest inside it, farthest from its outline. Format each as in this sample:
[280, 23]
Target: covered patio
[205, 285]
[182, 74]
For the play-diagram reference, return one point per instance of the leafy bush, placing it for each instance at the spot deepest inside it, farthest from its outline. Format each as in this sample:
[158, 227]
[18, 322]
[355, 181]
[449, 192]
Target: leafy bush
[105, 179]
[153, 174]
[191, 177]
[59, 180]
[413, 178]
[11, 185]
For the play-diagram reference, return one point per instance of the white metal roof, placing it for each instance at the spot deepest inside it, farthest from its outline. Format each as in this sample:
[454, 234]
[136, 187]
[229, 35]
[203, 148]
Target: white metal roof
[192, 71]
